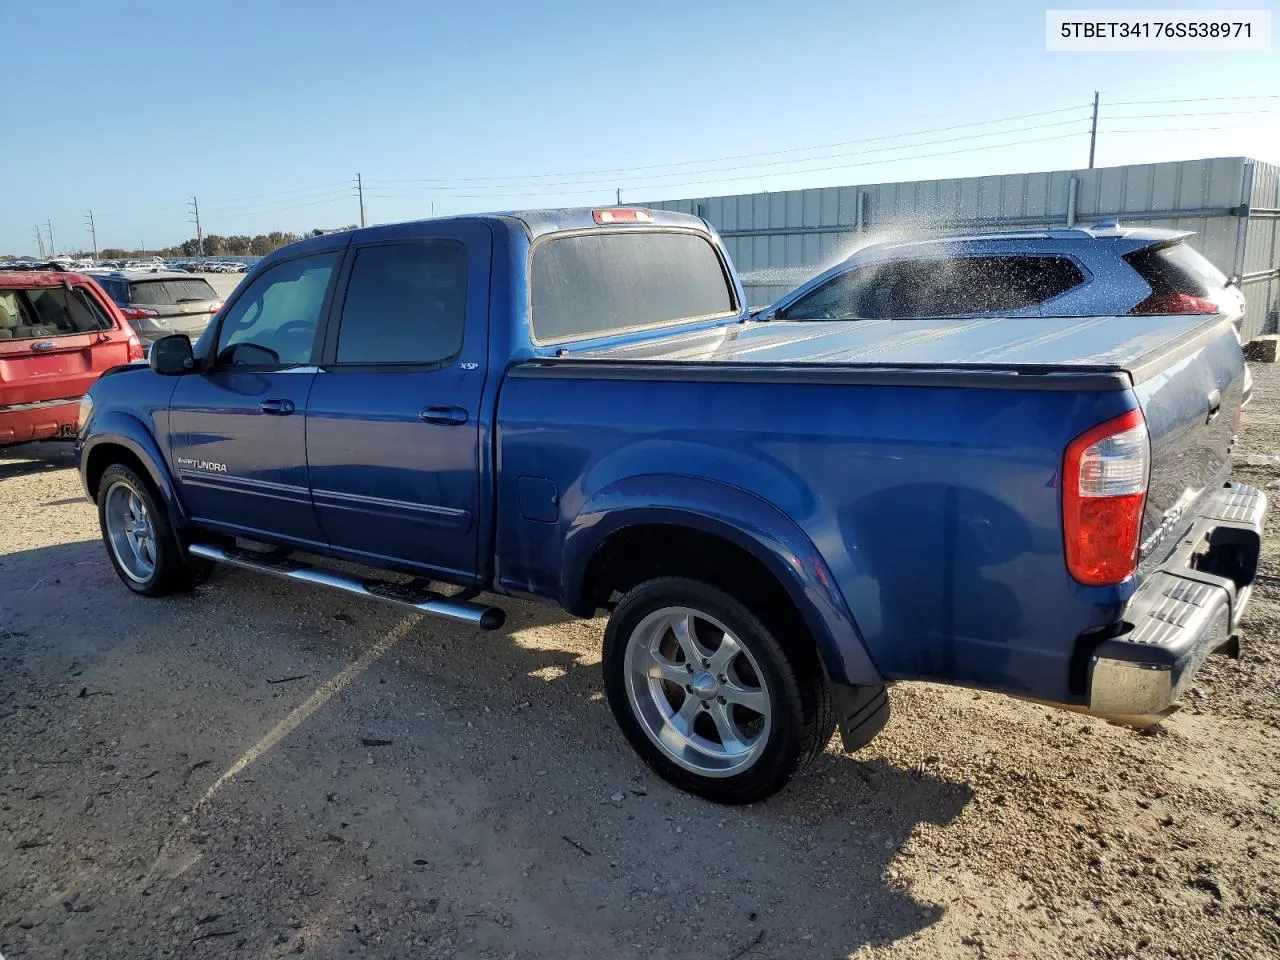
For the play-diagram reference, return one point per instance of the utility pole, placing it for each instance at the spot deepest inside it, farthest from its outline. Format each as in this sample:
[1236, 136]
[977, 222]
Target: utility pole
[93, 232]
[360, 195]
[40, 240]
[619, 196]
[53, 251]
[195, 208]
[1093, 129]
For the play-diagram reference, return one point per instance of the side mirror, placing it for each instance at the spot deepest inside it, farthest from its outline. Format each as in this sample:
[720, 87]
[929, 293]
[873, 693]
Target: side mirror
[172, 356]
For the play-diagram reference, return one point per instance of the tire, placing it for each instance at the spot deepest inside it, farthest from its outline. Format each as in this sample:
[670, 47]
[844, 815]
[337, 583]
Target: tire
[744, 721]
[153, 563]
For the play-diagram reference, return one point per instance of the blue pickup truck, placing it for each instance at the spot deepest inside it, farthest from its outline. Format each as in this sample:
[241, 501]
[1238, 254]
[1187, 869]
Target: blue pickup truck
[573, 406]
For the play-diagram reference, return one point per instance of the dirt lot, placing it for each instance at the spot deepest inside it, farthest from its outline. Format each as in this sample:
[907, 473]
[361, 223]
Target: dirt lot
[262, 770]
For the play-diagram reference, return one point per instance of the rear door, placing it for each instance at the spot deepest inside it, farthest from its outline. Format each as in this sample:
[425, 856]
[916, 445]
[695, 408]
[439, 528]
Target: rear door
[55, 341]
[393, 423]
[238, 426]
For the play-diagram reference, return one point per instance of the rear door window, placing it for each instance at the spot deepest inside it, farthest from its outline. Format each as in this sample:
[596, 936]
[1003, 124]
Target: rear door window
[594, 284]
[405, 303]
[168, 292]
[1179, 268]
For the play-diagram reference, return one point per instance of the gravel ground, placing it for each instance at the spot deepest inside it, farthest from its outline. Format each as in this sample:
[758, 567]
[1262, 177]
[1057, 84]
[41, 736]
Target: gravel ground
[263, 770]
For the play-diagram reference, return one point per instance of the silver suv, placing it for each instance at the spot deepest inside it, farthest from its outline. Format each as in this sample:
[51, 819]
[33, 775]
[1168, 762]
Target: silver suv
[160, 303]
[1103, 270]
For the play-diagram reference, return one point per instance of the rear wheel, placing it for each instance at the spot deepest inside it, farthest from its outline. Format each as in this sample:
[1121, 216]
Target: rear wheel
[706, 694]
[139, 536]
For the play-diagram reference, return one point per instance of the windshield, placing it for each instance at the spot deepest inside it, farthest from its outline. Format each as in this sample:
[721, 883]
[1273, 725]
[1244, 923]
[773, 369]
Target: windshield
[594, 284]
[175, 290]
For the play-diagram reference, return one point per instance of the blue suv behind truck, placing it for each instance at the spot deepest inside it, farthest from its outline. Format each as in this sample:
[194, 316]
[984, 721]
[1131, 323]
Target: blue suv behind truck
[782, 518]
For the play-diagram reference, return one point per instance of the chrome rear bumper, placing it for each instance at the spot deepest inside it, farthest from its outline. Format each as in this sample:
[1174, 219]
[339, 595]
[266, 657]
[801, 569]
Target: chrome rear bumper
[1184, 611]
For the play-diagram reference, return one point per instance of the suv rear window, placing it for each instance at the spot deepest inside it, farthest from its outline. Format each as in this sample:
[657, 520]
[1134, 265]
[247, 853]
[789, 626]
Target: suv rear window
[43, 312]
[595, 284]
[1179, 268]
[177, 290]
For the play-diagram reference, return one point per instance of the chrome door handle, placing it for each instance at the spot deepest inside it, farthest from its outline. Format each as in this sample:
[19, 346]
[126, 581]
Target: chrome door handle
[443, 414]
[279, 408]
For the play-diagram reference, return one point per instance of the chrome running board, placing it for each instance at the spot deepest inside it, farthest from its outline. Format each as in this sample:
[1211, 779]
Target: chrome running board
[405, 596]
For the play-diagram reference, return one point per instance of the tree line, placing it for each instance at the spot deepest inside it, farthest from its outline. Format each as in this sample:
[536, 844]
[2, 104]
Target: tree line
[213, 246]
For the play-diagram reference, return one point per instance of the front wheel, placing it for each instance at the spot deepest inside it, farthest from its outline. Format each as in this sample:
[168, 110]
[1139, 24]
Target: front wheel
[706, 694]
[139, 537]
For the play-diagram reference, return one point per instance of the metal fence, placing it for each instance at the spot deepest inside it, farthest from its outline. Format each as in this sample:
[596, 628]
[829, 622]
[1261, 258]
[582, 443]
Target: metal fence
[778, 240]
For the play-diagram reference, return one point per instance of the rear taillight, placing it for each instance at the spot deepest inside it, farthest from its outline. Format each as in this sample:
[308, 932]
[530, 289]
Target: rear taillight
[214, 308]
[1104, 489]
[1174, 303]
[135, 347]
[139, 313]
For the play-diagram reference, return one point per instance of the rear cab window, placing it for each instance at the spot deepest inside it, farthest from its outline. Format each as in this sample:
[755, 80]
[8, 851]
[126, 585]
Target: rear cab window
[40, 313]
[599, 283]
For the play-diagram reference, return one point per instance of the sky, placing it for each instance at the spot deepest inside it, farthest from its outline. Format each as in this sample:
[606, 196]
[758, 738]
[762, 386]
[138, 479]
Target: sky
[266, 111]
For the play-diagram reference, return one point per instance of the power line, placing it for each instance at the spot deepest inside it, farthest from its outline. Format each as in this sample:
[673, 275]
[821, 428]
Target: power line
[1177, 129]
[236, 201]
[750, 166]
[748, 156]
[1212, 113]
[843, 166]
[312, 203]
[1260, 96]
[284, 204]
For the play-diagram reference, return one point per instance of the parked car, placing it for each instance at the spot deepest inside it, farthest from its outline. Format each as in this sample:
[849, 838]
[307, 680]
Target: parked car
[571, 406]
[1102, 270]
[161, 303]
[58, 334]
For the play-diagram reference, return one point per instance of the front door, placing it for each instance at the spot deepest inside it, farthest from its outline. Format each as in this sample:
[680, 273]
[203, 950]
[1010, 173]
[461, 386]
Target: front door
[238, 427]
[393, 423]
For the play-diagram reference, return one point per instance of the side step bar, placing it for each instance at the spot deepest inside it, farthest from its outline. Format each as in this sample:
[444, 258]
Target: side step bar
[399, 595]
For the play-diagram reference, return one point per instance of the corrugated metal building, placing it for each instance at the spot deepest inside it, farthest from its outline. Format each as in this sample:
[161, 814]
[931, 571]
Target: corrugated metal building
[778, 240]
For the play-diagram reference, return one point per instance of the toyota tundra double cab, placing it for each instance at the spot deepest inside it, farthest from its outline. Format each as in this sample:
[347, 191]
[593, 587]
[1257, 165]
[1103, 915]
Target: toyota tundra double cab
[573, 406]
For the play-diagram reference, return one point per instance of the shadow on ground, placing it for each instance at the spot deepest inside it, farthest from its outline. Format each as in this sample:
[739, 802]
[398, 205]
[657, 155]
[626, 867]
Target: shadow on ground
[498, 809]
[26, 459]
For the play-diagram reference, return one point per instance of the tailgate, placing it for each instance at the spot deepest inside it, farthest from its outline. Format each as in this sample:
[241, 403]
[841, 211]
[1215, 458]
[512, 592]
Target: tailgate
[1191, 398]
[56, 368]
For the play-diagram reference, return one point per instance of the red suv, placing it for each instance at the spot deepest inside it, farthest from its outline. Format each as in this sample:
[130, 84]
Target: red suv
[58, 333]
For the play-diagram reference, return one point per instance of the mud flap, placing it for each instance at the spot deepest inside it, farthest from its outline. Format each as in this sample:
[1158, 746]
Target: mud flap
[861, 713]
